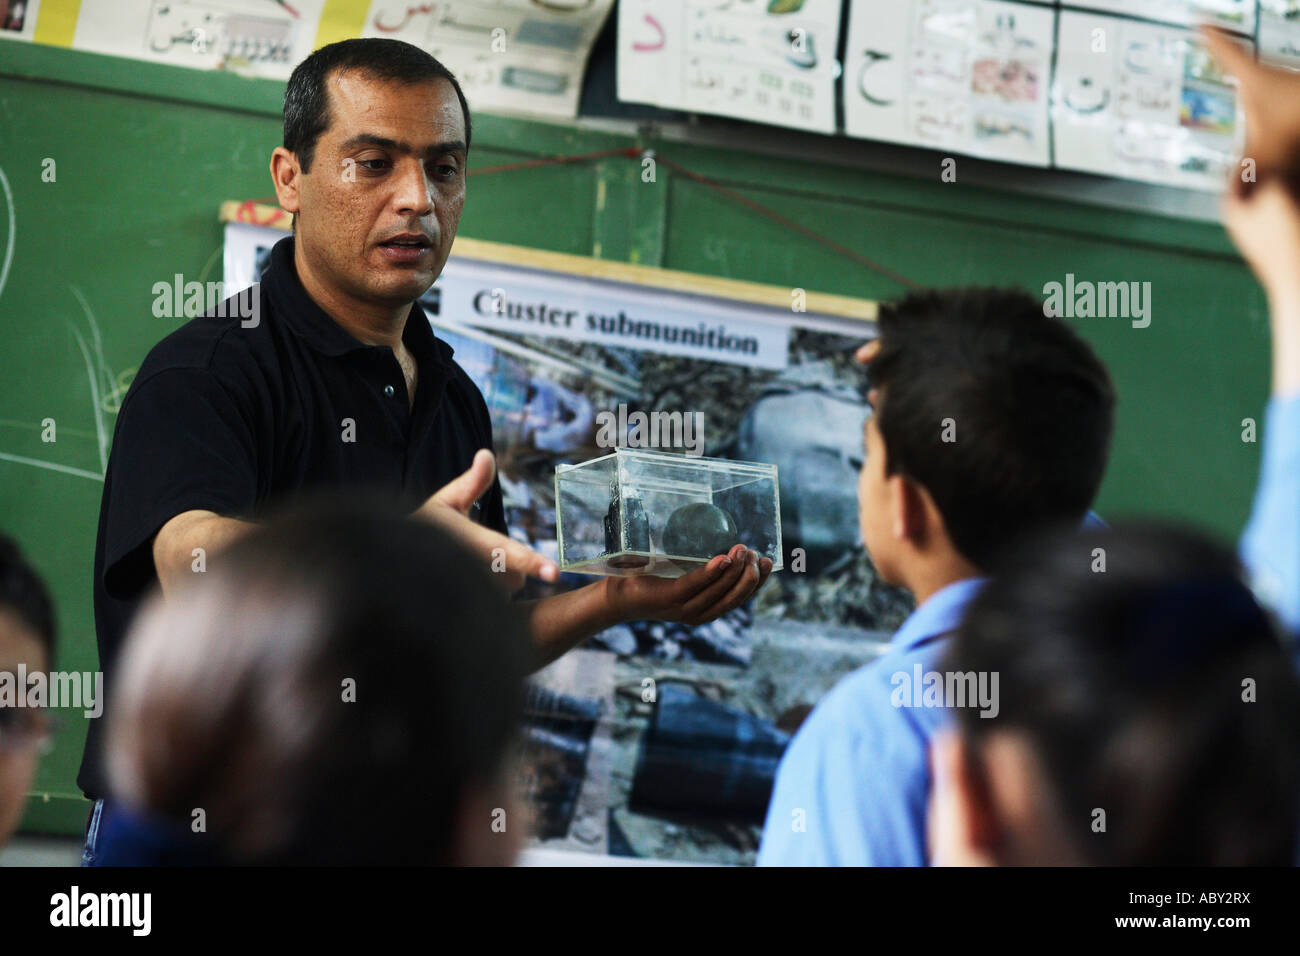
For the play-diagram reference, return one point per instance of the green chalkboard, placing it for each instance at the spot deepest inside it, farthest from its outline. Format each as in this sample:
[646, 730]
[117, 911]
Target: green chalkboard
[143, 155]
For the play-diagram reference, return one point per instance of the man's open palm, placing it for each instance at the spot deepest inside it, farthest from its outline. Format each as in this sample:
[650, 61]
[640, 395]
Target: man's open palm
[449, 507]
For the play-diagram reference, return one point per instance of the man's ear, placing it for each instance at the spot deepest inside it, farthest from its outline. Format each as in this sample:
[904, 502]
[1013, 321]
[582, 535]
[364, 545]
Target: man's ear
[285, 173]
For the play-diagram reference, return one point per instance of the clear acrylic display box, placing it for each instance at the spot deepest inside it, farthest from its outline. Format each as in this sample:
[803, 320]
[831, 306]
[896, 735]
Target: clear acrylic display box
[639, 512]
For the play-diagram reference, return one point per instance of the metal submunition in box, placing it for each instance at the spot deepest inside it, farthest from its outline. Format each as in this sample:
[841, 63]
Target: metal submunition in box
[640, 512]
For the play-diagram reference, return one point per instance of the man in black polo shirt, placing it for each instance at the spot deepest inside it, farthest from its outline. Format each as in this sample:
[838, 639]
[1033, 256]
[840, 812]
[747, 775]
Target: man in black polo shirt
[328, 375]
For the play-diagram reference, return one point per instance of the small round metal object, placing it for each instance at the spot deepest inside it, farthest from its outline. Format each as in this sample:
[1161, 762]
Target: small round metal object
[389, 391]
[699, 530]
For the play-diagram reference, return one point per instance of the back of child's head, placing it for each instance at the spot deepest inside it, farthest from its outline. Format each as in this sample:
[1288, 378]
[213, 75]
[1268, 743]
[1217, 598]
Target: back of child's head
[1151, 687]
[1001, 412]
[328, 691]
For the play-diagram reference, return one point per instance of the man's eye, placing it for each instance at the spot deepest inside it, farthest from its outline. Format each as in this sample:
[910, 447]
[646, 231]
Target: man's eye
[372, 164]
[446, 171]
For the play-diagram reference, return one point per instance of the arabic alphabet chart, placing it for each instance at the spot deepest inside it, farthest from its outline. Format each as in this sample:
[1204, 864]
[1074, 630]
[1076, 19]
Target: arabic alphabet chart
[972, 76]
[1142, 101]
[1111, 87]
[767, 61]
[1237, 15]
[510, 56]
[261, 38]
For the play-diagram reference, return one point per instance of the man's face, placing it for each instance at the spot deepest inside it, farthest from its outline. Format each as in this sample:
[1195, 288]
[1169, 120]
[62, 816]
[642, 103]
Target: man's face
[378, 211]
[19, 753]
[874, 514]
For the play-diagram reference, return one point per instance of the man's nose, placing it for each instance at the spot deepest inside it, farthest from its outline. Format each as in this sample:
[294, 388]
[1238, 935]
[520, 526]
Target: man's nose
[414, 195]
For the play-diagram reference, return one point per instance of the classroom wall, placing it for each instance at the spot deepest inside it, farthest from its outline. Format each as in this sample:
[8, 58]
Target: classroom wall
[145, 154]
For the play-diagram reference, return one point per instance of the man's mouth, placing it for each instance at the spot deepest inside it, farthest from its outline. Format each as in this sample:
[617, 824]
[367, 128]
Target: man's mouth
[408, 242]
[410, 248]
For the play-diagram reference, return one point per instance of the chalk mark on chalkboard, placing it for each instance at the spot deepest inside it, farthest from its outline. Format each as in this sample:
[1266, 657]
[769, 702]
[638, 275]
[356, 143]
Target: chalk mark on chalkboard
[97, 403]
[9, 236]
[93, 373]
[95, 369]
[51, 465]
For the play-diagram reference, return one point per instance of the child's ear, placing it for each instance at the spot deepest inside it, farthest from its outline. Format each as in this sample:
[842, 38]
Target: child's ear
[909, 510]
[899, 524]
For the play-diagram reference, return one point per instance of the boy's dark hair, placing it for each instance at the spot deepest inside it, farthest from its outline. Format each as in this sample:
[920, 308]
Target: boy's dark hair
[1031, 404]
[306, 101]
[1130, 684]
[328, 691]
[24, 594]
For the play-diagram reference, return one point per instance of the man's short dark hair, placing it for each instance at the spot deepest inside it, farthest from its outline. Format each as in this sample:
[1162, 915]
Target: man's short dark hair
[306, 101]
[23, 593]
[1128, 686]
[1001, 412]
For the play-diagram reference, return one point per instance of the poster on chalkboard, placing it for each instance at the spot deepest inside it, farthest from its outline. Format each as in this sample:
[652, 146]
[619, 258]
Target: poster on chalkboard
[249, 37]
[971, 76]
[772, 62]
[515, 56]
[1143, 101]
[685, 773]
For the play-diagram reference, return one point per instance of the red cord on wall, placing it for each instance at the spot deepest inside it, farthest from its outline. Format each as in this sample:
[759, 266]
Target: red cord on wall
[728, 193]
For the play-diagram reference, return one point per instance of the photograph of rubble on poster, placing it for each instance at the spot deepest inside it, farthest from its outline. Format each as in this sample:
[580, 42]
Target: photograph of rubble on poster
[657, 739]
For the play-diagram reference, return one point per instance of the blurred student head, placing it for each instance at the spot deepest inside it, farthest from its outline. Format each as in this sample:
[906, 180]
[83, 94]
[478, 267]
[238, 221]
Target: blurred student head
[991, 420]
[1148, 713]
[343, 686]
[26, 639]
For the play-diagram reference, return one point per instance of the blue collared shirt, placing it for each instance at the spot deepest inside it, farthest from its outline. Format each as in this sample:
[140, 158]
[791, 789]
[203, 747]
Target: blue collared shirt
[853, 785]
[1270, 546]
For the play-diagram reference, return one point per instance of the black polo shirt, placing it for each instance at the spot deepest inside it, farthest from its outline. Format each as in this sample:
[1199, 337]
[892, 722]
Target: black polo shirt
[236, 420]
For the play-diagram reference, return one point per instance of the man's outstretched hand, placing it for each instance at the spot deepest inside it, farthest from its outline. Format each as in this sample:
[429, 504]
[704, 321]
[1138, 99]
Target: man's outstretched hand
[449, 507]
[698, 597]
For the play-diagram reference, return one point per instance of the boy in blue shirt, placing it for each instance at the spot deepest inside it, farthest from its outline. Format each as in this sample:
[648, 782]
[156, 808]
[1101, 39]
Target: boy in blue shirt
[1064, 640]
[992, 421]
